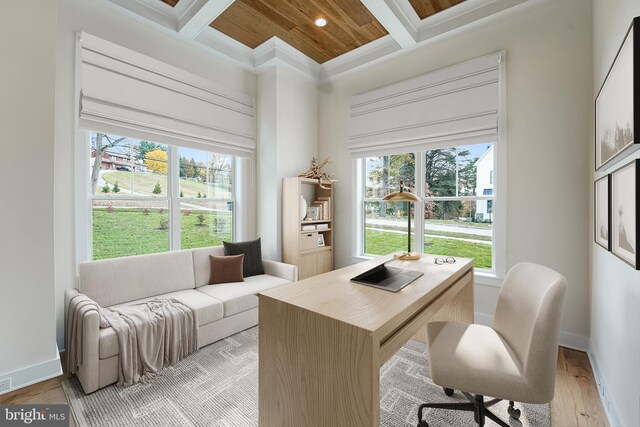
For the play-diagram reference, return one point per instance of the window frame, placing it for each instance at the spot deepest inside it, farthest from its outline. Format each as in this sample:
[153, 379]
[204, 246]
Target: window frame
[488, 277]
[84, 209]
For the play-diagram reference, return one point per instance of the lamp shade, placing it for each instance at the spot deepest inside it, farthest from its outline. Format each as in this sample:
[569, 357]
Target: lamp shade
[401, 196]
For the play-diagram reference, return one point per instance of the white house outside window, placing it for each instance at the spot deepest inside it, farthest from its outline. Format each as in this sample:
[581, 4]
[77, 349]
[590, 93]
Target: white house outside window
[456, 210]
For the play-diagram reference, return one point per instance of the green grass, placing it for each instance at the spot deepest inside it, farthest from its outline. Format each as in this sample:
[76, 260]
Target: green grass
[383, 243]
[434, 232]
[144, 183]
[125, 232]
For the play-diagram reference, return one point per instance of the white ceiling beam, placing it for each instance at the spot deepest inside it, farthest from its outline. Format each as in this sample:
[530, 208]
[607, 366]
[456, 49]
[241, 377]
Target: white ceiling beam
[394, 20]
[199, 15]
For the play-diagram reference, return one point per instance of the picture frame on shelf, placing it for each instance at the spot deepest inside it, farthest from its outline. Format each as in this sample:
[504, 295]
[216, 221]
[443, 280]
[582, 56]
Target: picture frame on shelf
[321, 240]
[625, 209]
[313, 213]
[602, 212]
[617, 106]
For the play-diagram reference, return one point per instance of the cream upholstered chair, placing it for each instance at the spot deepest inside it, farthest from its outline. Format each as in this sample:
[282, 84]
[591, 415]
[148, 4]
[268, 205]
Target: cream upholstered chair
[514, 360]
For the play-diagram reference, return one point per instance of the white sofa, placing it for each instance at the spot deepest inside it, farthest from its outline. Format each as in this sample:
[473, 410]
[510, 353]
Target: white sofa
[222, 310]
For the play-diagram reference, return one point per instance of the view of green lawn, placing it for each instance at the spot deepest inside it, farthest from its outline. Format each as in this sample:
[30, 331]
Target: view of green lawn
[460, 235]
[144, 183]
[385, 242]
[129, 231]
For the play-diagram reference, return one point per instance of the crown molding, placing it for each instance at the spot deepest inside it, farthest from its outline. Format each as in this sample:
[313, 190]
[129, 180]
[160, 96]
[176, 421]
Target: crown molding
[460, 15]
[226, 47]
[153, 10]
[367, 54]
[275, 51]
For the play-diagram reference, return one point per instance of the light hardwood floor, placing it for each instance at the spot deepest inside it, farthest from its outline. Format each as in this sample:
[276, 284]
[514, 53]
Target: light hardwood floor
[576, 402]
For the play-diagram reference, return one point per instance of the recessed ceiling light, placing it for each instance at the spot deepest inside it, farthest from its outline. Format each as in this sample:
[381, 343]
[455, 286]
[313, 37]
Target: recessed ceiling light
[321, 22]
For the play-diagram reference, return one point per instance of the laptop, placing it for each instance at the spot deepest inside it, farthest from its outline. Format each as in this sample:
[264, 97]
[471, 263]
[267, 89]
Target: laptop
[390, 279]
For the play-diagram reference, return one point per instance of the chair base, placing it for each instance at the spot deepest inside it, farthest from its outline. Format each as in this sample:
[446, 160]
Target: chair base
[476, 404]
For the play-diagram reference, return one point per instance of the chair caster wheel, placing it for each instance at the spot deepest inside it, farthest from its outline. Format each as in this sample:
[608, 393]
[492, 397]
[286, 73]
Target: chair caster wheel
[448, 391]
[423, 423]
[514, 413]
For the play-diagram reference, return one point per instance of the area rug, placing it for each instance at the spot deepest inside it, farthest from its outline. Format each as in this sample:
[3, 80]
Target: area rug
[218, 386]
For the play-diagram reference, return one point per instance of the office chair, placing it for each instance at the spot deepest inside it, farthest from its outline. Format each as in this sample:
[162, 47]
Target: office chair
[513, 360]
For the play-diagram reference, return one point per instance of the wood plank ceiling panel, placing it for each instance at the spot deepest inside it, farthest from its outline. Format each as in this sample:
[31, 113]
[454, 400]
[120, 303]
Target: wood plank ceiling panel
[426, 8]
[171, 3]
[349, 25]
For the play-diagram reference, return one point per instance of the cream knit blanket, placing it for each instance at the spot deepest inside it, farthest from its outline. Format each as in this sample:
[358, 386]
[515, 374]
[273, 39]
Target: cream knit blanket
[152, 335]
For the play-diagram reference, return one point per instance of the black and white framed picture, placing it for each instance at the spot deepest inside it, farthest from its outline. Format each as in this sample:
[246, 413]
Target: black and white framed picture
[602, 214]
[624, 213]
[617, 104]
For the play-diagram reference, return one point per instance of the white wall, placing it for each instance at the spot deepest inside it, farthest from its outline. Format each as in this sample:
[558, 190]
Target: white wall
[615, 286]
[287, 140]
[107, 21]
[548, 44]
[27, 120]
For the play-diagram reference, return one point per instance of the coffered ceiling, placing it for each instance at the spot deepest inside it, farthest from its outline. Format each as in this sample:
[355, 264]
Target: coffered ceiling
[258, 33]
[349, 25]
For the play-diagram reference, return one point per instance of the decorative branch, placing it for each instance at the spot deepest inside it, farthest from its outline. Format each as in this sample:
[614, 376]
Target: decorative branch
[315, 172]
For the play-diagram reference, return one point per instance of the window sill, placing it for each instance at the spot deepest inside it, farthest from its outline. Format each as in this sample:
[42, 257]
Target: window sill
[483, 278]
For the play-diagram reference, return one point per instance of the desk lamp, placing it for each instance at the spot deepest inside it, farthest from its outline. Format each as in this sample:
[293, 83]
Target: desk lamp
[405, 196]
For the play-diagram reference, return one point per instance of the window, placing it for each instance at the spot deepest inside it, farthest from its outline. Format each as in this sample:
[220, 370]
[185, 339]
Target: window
[456, 210]
[147, 197]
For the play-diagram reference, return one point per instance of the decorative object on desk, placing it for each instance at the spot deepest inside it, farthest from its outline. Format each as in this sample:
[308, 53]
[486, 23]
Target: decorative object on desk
[602, 212]
[409, 198]
[625, 208]
[443, 260]
[315, 172]
[320, 239]
[303, 207]
[618, 104]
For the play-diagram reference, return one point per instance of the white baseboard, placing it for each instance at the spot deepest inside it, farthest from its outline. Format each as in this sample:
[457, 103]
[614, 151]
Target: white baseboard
[608, 405]
[34, 373]
[567, 339]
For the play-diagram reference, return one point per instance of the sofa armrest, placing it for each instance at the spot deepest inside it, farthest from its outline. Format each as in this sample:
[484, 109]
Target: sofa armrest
[88, 371]
[280, 269]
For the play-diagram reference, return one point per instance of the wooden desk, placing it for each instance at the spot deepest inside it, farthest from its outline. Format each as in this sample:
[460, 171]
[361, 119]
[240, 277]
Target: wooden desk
[322, 340]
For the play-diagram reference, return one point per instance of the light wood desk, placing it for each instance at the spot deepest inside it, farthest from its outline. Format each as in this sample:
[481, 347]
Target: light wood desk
[323, 340]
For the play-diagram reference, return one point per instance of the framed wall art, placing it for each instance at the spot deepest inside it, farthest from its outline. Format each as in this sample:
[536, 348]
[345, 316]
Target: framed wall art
[624, 234]
[617, 106]
[602, 213]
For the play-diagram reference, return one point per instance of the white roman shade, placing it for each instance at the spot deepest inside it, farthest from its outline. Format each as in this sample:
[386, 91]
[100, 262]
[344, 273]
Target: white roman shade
[126, 93]
[453, 106]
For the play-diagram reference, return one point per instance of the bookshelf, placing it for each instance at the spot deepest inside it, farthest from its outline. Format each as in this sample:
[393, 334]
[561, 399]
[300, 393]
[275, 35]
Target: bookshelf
[300, 246]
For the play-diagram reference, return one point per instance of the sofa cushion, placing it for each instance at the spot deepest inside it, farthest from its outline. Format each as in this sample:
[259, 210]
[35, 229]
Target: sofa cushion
[118, 280]
[252, 251]
[225, 269]
[241, 296]
[202, 264]
[207, 308]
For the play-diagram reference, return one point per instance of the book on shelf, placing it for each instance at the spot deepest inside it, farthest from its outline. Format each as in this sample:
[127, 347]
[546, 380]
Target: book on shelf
[309, 227]
[327, 201]
[322, 227]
